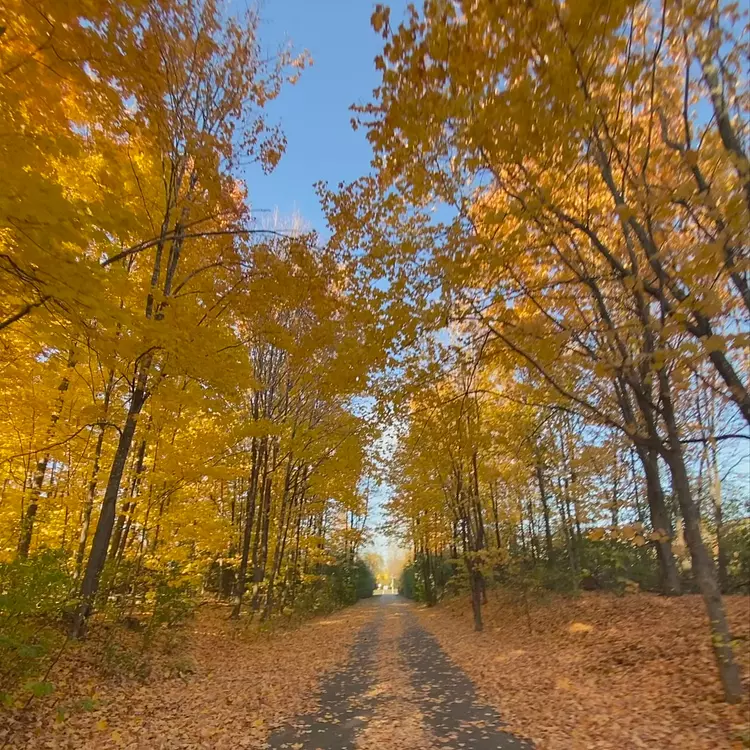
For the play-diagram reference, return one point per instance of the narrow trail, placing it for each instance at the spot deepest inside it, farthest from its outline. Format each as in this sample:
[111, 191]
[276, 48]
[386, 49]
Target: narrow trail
[398, 690]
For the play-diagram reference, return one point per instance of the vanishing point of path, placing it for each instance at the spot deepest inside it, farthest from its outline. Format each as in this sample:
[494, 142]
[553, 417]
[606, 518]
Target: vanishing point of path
[398, 690]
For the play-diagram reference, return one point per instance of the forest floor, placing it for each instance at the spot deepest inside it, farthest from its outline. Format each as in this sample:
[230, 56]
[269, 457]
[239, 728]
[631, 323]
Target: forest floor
[598, 671]
[601, 671]
[213, 683]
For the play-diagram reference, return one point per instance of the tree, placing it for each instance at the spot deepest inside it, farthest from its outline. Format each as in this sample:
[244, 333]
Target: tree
[178, 403]
[582, 234]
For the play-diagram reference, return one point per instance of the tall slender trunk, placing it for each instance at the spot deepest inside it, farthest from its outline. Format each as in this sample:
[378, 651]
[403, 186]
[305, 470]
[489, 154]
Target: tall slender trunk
[103, 533]
[533, 542]
[660, 521]
[545, 508]
[429, 591]
[294, 567]
[249, 518]
[567, 535]
[260, 548]
[615, 497]
[707, 419]
[27, 524]
[495, 516]
[521, 529]
[37, 482]
[88, 506]
[475, 578]
[127, 509]
[703, 564]
[716, 500]
[288, 499]
[636, 490]
[564, 487]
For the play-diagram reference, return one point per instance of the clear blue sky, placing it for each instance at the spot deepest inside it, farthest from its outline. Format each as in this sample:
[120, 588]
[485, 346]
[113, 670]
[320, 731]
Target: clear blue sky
[314, 113]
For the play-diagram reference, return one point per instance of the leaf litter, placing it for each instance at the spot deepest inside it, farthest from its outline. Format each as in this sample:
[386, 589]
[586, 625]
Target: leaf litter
[240, 684]
[600, 671]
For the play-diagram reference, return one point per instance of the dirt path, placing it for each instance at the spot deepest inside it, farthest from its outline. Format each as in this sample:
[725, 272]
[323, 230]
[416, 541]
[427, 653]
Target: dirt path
[398, 690]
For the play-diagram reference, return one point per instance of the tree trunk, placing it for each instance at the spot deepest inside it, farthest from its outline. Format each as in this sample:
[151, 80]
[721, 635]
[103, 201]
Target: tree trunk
[705, 575]
[703, 564]
[716, 499]
[288, 499]
[89, 504]
[429, 592]
[249, 518]
[496, 517]
[260, 548]
[533, 542]
[661, 522]
[127, 510]
[27, 524]
[545, 509]
[567, 535]
[476, 596]
[103, 533]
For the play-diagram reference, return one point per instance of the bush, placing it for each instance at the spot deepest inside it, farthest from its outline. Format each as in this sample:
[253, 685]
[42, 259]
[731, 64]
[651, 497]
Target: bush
[145, 595]
[349, 581]
[364, 580]
[609, 564]
[448, 577]
[737, 546]
[38, 586]
[615, 565]
[33, 596]
[336, 585]
[174, 602]
[408, 585]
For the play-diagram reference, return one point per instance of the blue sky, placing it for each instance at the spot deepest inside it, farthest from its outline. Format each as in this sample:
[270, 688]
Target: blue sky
[314, 113]
[316, 118]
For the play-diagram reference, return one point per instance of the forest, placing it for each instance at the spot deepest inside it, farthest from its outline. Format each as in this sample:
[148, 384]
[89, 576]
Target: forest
[518, 350]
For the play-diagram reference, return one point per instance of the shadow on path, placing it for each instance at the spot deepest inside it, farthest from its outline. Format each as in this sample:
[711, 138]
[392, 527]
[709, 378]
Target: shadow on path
[344, 706]
[448, 699]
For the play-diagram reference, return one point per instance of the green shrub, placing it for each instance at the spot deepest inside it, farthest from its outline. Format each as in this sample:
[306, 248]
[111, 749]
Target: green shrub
[737, 547]
[612, 564]
[408, 582]
[38, 586]
[336, 585]
[33, 595]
